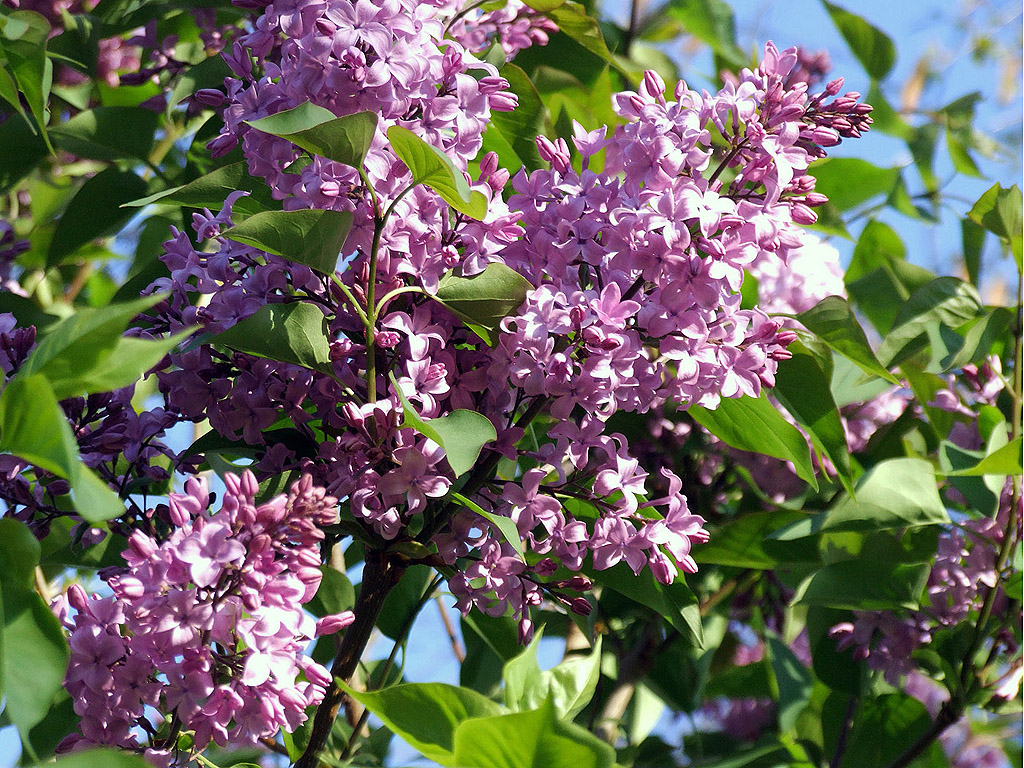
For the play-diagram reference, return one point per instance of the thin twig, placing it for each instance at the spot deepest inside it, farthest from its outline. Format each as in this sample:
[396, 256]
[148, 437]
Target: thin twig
[450, 629]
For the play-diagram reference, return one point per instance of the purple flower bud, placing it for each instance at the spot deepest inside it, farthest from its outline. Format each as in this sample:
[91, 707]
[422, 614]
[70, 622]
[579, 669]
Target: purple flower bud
[581, 606]
[209, 97]
[335, 622]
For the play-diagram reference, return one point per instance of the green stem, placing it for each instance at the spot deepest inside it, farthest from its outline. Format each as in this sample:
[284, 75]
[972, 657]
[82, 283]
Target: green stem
[392, 294]
[351, 299]
[371, 313]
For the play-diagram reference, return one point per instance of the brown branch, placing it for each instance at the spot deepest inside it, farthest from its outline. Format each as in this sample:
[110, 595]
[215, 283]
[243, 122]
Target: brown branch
[379, 578]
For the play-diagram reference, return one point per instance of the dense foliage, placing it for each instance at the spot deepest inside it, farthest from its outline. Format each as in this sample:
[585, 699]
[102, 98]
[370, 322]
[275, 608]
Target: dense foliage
[314, 310]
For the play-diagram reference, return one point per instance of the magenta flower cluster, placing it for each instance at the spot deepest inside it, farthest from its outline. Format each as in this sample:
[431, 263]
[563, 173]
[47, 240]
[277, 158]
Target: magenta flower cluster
[635, 271]
[206, 626]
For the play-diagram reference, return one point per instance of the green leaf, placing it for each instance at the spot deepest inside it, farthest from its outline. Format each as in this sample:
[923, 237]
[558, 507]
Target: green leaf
[972, 238]
[713, 23]
[832, 321]
[316, 130]
[490, 641]
[999, 211]
[120, 366]
[402, 602]
[897, 493]
[23, 44]
[872, 47]
[535, 739]
[569, 686]
[803, 389]
[77, 346]
[108, 133]
[210, 191]
[879, 278]
[792, 680]
[484, 300]
[574, 22]
[426, 715]
[849, 181]
[209, 73]
[461, 434]
[883, 729]
[504, 524]
[1003, 461]
[865, 585]
[753, 424]
[740, 543]
[975, 490]
[34, 428]
[674, 602]
[311, 237]
[520, 127]
[95, 211]
[945, 300]
[334, 595]
[543, 6]
[884, 117]
[33, 650]
[21, 150]
[293, 333]
[429, 165]
[101, 758]
[979, 337]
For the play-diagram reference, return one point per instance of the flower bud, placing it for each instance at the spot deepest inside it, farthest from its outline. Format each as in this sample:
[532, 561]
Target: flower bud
[335, 622]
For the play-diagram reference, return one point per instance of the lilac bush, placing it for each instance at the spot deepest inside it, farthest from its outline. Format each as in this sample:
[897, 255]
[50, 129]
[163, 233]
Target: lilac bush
[485, 296]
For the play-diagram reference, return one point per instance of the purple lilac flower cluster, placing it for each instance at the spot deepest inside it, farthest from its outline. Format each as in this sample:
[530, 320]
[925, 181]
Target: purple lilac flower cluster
[207, 625]
[635, 271]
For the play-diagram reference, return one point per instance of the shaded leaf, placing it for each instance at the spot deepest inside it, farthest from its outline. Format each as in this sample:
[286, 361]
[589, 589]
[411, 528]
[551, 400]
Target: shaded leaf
[945, 300]
[95, 211]
[674, 602]
[865, 585]
[793, 682]
[520, 126]
[108, 133]
[803, 389]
